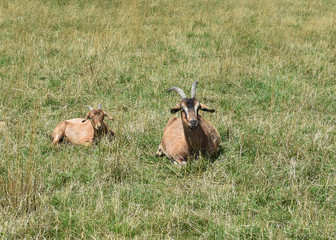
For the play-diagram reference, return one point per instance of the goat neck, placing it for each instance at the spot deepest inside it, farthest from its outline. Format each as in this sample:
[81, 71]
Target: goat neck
[193, 136]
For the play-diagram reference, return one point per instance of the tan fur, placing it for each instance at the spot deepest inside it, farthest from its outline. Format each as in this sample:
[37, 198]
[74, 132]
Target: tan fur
[180, 142]
[79, 131]
[191, 134]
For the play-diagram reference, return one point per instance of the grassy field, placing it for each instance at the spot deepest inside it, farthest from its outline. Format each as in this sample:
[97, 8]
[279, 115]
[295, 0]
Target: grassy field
[267, 67]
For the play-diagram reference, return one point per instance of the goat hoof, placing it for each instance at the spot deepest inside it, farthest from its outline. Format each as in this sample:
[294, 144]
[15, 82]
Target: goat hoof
[182, 163]
[159, 153]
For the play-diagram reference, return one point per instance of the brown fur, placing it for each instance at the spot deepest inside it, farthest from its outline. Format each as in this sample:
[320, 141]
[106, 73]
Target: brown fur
[79, 131]
[181, 139]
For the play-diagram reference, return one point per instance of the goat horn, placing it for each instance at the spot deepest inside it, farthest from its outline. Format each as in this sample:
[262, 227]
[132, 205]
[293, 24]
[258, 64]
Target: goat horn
[90, 107]
[178, 90]
[193, 90]
[99, 106]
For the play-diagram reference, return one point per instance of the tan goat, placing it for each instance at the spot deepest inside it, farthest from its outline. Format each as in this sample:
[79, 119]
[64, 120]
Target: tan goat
[80, 131]
[191, 134]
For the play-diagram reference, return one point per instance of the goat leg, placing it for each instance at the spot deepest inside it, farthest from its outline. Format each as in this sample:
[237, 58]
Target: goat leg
[159, 152]
[180, 160]
[58, 132]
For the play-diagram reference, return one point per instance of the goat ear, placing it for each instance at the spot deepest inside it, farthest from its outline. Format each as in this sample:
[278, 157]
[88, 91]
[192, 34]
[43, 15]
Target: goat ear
[108, 116]
[86, 118]
[205, 108]
[176, 108]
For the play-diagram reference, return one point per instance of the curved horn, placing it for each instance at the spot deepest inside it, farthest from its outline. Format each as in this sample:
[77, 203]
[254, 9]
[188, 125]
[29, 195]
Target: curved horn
[90, 107]
[99, 106]
[178, 90]
[193, 90]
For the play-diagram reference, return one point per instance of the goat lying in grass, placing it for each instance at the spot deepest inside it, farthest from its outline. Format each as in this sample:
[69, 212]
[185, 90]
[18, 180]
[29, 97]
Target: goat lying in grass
[191, 134]
[81, 131]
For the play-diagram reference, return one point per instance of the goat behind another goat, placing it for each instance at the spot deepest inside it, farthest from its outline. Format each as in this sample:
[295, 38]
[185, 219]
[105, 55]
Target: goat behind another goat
[79, 131]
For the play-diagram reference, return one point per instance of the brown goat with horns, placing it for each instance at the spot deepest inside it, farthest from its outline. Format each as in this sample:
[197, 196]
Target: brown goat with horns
[81, 131]
[191, 134]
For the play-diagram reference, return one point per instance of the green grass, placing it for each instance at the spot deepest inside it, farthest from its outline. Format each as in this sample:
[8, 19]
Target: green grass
[267, 67]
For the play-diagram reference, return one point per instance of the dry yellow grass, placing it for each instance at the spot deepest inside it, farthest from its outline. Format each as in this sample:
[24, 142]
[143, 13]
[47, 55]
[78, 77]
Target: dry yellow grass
[267, 67]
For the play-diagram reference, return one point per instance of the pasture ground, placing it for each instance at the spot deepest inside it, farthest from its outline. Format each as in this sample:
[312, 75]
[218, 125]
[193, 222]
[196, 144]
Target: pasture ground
[267, 67]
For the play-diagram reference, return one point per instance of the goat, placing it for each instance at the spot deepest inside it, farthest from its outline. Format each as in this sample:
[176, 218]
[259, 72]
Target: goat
[191, 134]
[80, 131]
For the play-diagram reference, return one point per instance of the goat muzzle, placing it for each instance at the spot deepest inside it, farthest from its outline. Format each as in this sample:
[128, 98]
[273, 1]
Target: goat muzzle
[193, 124]
[99, 127]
